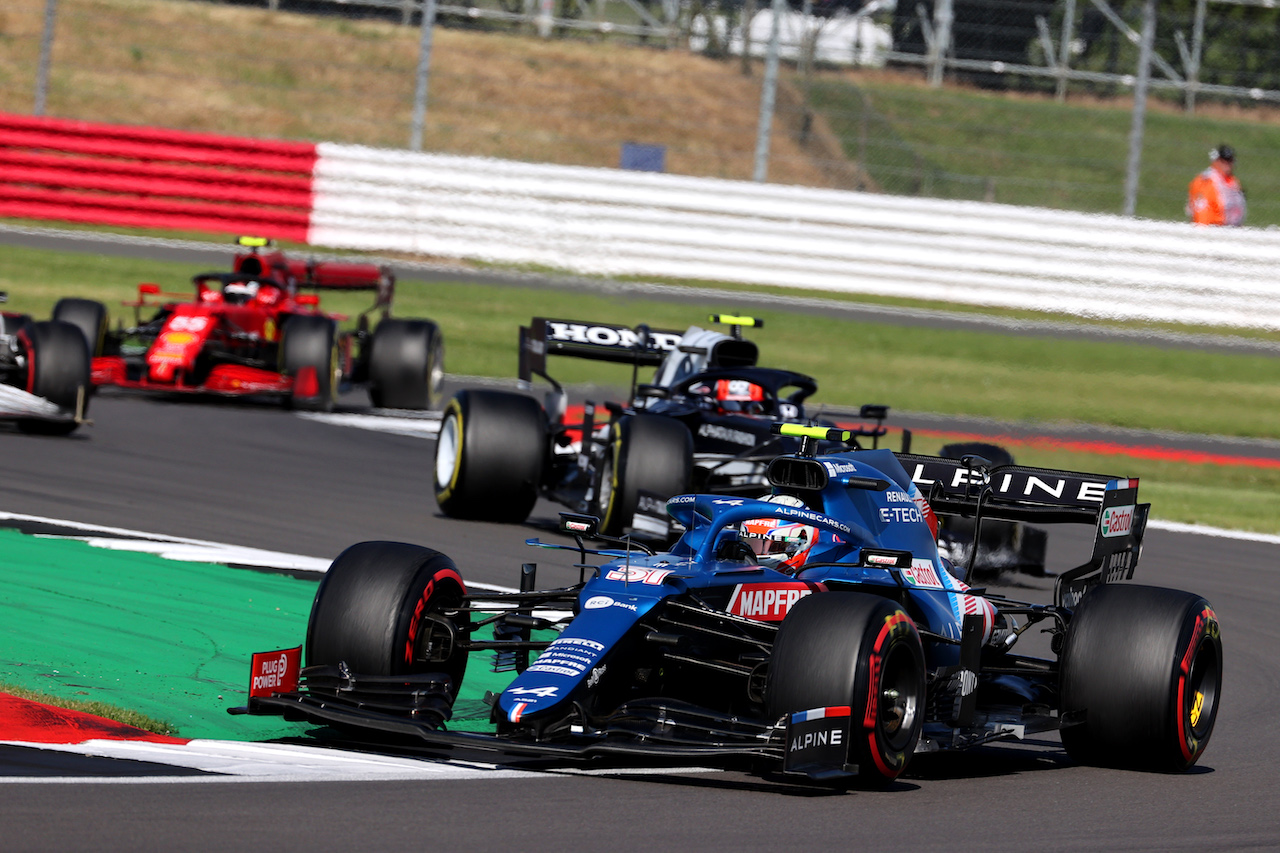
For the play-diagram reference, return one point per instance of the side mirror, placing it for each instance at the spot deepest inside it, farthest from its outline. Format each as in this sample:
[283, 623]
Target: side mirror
[148, 288]
[585, 526]
[310, 299]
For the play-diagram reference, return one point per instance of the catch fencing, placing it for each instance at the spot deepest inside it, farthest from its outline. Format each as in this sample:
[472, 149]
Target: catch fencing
[613, 222]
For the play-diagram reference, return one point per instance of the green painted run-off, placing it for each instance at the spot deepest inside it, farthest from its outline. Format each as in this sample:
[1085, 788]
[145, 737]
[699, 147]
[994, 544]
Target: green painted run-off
[169, 639]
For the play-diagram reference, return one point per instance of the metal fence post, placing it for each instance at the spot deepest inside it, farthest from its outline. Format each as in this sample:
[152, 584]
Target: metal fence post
[1197, 51]
[46, 55]
[1139, 107]
[748, 15]
[424, 68]
[1064, 49]
[943, 15]
[768, 93]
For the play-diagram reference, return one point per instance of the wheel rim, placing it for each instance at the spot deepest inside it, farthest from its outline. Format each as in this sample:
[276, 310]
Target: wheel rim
[447, 452]
[335, 372]
[604, 494]
[1200, 705]
[899, 702]
[435, 376]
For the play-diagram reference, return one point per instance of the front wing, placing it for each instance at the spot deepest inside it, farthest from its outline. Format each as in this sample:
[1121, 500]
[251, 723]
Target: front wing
[414, 707]
[225, 379]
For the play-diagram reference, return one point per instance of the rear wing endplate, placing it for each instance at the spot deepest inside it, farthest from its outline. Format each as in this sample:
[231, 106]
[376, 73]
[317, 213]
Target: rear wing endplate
[641, 346]
[1117, 543]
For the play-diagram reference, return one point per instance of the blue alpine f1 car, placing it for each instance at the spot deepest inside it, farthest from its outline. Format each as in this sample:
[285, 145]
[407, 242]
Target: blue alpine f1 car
[815, 632]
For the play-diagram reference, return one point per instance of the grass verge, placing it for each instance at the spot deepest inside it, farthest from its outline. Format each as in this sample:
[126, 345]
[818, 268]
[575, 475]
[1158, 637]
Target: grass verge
[912, 369]
[98, 709]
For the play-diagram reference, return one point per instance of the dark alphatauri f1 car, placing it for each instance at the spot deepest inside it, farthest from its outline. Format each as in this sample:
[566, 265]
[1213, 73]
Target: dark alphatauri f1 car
[44, 374]
[253, 331]
[817, 632]
[701, 425]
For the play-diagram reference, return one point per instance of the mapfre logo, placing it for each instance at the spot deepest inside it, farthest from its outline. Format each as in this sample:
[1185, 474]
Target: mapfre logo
[1117, 520]
[767, 602]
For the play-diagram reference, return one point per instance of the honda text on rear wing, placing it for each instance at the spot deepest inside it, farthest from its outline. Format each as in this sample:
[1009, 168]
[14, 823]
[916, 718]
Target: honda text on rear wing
[641, 346]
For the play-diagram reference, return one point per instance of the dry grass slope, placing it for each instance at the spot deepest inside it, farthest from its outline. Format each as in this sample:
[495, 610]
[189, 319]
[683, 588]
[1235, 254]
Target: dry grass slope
[245, 71]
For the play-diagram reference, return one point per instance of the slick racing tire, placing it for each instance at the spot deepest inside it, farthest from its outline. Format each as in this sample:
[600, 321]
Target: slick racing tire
[863, 651]
[58, 370]
[87, 315]
[489, 456]
[308, 340]
[646, 453]
[406, 365]
[388, 608]
[1143, 666]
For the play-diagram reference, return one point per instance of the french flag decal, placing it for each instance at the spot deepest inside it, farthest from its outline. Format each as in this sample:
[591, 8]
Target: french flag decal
[518, 711]
[821, 714]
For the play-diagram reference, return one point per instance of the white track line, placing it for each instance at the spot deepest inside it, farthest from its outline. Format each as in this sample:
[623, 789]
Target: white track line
[1202, 530]
[426, 426]
[271, 762]
[191, 550]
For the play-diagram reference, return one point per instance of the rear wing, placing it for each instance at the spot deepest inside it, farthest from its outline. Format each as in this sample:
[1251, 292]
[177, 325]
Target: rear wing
[641, 346]
[295, 273]
[964, 487]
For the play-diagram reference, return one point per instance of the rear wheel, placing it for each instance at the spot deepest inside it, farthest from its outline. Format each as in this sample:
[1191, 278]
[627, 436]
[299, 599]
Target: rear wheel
[406, 365]
[389, 608]
[863, 651]
[1143, 665]
[646, 453]
[87, 315]
[489, 456]
[309, 348]
[58, 370]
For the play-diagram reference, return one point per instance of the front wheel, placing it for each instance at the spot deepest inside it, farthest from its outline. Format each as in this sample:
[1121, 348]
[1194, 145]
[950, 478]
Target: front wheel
[1143, 666]
[389, 608]
[859, 650]
[309, 353]
[647, 455]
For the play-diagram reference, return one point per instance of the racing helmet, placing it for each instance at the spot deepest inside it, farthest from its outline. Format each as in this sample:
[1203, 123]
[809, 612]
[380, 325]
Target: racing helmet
[778, 543]
[239, 292]
[268, 295]
[739, 395]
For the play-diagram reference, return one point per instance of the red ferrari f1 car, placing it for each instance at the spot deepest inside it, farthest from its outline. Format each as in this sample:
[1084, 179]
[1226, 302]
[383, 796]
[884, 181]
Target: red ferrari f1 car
[253, 331]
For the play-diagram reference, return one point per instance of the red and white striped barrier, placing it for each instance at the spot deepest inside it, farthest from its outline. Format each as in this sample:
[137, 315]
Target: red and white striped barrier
[75, 171]
[613, 222]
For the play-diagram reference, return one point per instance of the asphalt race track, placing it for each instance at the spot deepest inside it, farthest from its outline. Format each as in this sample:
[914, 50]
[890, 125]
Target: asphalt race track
[251, 474]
